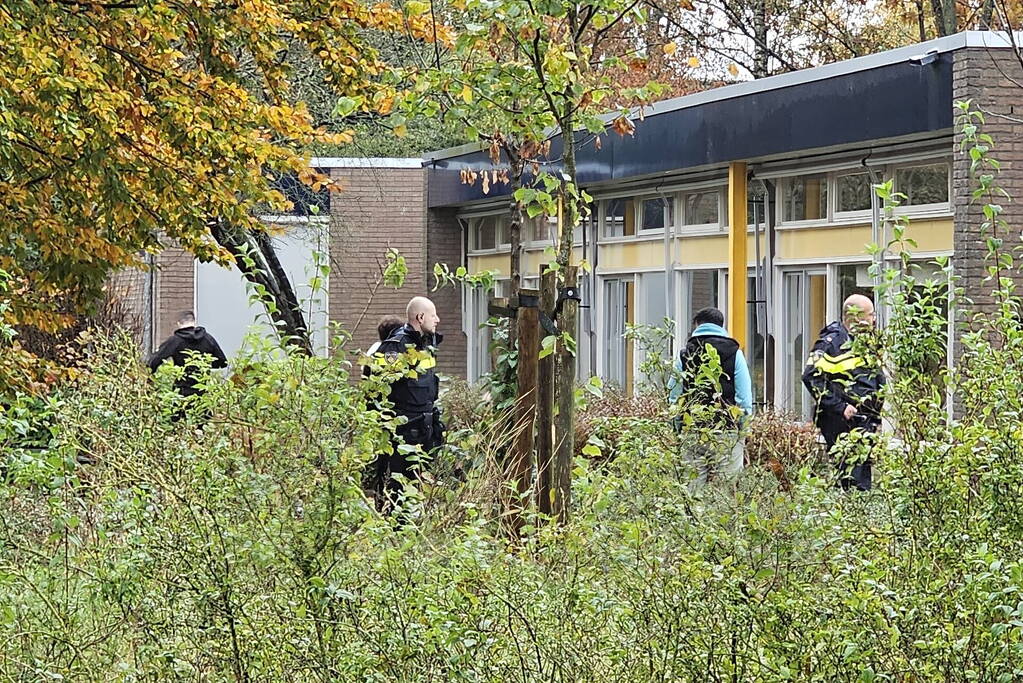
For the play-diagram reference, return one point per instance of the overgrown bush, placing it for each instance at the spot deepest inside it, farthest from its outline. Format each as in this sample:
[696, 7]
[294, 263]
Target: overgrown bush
[246, 550]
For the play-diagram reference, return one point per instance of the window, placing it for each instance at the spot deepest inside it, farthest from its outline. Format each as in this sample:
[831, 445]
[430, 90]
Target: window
[702, 207]
[854, 279]
[485, 233]
[805, 198]
[853, 190]
[756, 190]
[619, 218]
[658, 213]
[700, 290]
[539, 229]
[923, 184]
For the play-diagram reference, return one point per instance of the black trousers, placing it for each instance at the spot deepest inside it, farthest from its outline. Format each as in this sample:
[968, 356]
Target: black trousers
[860, 476]
[424, 430]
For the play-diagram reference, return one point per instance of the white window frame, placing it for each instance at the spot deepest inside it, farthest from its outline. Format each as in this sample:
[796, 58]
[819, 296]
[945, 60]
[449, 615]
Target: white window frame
[472, 223]
[938, 208]
[686, 228]
[779, 200]
[858, 215]
[668, 199]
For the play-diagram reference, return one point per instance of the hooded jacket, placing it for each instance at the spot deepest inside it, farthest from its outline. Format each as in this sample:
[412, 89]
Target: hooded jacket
[177, 349]
[737, 388]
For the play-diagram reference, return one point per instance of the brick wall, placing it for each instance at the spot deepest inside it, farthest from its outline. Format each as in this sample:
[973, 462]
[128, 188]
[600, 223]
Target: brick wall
[444, 245]
[986, 77]
[377, 209]
[175, 289]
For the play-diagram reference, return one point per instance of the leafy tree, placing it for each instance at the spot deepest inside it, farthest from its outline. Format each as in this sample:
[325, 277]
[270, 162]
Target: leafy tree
[125, 125]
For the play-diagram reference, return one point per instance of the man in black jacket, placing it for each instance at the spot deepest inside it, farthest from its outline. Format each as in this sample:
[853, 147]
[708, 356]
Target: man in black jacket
[413, 396]
[846, 385]
[188, 341]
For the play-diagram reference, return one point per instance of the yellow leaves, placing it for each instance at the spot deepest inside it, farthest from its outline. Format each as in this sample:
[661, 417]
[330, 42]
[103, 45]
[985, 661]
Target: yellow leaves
[693, 62]
[733, 69]
[669, 48]
[466, 93]
[401, 130]
[415, 8]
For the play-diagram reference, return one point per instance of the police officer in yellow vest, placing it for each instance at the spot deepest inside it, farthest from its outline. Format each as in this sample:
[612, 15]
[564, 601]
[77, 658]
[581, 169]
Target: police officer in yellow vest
[413, 396]
[846, 385]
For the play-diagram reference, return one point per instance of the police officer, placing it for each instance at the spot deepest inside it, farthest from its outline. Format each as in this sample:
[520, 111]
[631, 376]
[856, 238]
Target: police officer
[413, 396]
[846, 385]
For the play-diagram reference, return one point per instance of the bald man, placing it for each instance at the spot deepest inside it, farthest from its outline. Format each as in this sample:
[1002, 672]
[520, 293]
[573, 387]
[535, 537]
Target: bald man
[413, 397]
[845, 385]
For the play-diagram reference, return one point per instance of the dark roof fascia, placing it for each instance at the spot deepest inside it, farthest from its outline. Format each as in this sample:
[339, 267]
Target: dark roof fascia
[870, 99]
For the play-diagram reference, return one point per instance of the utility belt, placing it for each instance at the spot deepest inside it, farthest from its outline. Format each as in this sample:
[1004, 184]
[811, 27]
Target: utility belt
[422, 429]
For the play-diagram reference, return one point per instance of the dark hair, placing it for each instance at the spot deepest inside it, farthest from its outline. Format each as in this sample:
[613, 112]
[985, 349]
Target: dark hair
[387, 325]
[186, 317]
[709, 315]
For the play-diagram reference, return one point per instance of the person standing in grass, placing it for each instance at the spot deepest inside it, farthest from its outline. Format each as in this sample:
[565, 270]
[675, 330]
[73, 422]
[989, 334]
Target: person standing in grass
[713, 390]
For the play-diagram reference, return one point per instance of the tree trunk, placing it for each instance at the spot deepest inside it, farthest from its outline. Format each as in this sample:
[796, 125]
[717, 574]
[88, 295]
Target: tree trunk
[944, 16]
[760, 52]
[515, 237]
[921, 20]
[256, 259]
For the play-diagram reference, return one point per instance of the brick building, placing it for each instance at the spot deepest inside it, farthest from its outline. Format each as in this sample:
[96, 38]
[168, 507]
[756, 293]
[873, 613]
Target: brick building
[789, 159]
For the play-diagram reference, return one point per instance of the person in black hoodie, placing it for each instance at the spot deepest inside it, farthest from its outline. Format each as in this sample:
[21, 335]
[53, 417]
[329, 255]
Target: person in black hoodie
[187, 341]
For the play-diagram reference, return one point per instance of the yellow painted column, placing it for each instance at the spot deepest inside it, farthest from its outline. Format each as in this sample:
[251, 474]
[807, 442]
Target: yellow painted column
[737, 305]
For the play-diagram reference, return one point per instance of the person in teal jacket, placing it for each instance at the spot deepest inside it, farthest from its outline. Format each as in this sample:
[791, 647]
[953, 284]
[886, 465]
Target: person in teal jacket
[717, 449]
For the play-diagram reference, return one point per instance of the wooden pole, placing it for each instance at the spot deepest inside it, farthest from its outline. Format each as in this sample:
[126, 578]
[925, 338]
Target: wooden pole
[564, 452]
[545, 403]
[519, 467]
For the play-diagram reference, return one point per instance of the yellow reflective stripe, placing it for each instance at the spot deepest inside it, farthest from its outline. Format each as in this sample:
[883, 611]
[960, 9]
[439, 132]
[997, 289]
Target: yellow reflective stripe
[427, 363]
[842, 363]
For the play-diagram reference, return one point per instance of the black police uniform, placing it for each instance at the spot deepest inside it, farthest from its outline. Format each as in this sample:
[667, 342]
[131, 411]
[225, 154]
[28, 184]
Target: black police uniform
[415, 399]
[837, 377]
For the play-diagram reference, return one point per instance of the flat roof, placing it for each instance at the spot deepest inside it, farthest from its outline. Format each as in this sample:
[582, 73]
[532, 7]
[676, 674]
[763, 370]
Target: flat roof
[884, 96]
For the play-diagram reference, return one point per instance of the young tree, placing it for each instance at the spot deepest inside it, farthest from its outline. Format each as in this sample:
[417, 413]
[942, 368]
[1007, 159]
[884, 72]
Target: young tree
[525, 72]
[125, 124]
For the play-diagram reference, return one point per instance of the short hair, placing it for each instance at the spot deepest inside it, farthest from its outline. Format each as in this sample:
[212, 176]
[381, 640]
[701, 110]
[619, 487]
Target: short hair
[387, 325]
[186, 317]
[709, 315]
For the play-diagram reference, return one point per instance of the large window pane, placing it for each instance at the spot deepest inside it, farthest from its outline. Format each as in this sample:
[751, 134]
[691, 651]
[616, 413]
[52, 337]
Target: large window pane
[657, 213]
[486, 232]
[853, 190]
[923, 184]
[854, 279]
[699, 290]
[619, 218]
[805, 198]
[702, 207]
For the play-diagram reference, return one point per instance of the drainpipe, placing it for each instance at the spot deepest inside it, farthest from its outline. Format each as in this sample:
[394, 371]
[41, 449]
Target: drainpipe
[879, 236]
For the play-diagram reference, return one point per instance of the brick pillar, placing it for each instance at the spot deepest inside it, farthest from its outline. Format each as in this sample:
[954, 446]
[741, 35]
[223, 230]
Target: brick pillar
[444, 245]
[986, 77]
[175, 289]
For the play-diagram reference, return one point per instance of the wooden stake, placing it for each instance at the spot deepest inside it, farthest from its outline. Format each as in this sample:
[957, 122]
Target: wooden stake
[545, 403]
[564, 421]
[519, 467]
